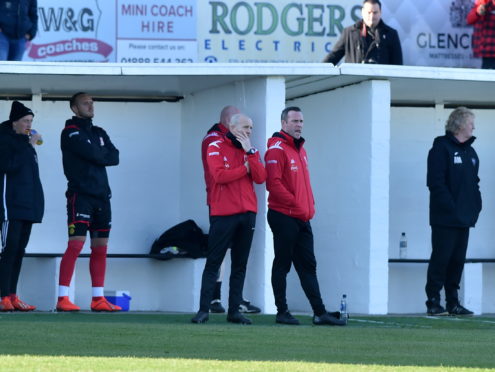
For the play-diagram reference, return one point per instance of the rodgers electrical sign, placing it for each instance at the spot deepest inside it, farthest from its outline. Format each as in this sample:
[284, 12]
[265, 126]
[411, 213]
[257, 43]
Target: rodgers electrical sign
[276, 31]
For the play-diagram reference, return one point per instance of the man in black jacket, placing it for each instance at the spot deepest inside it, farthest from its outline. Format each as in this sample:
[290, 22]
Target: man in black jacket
[369, 40]
[87, 151]
[18, 24]
[455, 204]
[22, 200]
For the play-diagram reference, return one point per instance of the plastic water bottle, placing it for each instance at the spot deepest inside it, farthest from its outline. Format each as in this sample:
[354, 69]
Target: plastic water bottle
[33, 131]
[343, 308]
[403, 246]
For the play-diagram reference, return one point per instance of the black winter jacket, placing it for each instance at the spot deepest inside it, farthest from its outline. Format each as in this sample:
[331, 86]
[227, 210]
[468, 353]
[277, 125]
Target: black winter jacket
[452, 177]
[384, 49]
[86, 151]
[20, 185]
[18, 18]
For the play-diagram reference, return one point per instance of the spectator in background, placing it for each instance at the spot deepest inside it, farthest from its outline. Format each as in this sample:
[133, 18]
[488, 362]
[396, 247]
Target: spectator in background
[369, 40]
[455, 204]
[482, 17]
[18, 24]
[22, 199]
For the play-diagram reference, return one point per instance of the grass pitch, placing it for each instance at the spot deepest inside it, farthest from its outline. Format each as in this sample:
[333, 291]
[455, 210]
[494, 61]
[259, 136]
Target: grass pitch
[161, 342]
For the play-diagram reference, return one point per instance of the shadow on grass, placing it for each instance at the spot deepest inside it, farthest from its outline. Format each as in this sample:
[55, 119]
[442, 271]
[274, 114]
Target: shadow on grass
[420, 341]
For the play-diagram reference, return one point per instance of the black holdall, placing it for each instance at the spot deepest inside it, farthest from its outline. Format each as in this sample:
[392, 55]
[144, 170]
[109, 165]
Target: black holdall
[185, 239]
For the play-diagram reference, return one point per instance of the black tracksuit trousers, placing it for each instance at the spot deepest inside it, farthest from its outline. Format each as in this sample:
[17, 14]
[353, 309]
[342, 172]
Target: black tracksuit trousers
[449, 246]
[293, 243]
[15, 237]
[234, 232]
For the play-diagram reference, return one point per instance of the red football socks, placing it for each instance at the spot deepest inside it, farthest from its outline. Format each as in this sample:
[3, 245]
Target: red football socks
[69, 261]
[97, 265]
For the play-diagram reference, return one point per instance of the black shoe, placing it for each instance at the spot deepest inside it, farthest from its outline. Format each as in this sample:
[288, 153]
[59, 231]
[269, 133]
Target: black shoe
[433, 308]
[286, 318]
[200, 317]
[246, 307]
[459, 310]
[237, 318]
[327, 319]
[337, 314]
[216, 307]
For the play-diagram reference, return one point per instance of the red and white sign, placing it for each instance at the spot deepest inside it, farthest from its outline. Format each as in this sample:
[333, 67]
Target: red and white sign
[74, 31]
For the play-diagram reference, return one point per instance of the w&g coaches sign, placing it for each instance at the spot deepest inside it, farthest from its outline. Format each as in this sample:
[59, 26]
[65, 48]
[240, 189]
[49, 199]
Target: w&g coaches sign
[143, 31]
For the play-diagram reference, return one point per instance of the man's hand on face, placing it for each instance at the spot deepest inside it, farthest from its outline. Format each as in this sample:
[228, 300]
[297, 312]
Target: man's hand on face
[243, 138]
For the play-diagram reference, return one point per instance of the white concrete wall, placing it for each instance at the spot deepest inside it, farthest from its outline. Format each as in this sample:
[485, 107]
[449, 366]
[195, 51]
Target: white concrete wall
[412, 134]
[348, 155]
[153, 285]
[144, 184]
[488, 303]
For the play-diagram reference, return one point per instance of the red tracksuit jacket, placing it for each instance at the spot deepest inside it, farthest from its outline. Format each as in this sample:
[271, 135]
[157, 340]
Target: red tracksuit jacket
[288, 177]
[215, 133]
[231, 190]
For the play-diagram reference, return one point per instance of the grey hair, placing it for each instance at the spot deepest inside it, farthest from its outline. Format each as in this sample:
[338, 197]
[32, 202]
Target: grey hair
[457, 119]
[237, 119]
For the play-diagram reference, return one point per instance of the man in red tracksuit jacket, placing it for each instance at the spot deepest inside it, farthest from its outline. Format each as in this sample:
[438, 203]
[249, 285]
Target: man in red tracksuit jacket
[482, 17]
[233, 165]
[218, 132]
[290, 208]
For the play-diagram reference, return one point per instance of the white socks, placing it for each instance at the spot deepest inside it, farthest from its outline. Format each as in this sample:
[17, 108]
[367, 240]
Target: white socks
[63, 291]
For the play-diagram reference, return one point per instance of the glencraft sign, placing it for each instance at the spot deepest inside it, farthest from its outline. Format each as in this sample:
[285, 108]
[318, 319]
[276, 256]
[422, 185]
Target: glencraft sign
[433, 32]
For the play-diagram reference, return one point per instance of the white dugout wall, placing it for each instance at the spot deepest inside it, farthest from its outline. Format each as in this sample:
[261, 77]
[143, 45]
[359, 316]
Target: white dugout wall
[368, 131]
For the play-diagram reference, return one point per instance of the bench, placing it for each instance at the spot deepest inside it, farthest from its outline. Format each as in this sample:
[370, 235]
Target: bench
[407, 277]
[87, 255]
[155, 285]
[423, 260]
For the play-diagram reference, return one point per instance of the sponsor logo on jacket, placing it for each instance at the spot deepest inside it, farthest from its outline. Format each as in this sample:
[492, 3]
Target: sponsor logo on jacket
[293, 166]
[457, 158]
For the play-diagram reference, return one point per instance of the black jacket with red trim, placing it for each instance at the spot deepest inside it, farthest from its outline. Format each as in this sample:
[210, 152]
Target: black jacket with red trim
[86, 152]
[20, 185]
[232, 189]
[287, 178]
